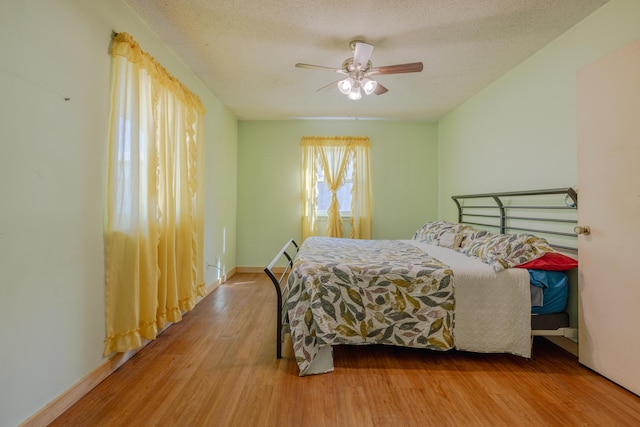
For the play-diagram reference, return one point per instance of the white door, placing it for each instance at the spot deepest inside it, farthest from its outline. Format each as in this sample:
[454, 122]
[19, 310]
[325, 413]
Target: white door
[608, 120]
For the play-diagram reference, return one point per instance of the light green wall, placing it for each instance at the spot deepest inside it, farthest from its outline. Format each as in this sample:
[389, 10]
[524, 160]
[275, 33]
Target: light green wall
[520, 132]
[52, 182]
[403, 173]
[221, 191]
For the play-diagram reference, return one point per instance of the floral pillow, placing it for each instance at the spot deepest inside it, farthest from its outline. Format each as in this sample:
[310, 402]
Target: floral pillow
[469, 235]
[432, 232]
[502, 251]
[430, 229]
[479, 244]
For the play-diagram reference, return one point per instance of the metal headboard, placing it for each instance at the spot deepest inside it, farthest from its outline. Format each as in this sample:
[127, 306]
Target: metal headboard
[551, 214]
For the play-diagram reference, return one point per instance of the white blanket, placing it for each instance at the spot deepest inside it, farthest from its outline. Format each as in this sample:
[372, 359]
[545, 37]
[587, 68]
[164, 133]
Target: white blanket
[493, 310]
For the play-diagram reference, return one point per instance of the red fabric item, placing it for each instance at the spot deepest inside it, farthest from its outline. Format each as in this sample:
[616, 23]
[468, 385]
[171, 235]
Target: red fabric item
[551, 261]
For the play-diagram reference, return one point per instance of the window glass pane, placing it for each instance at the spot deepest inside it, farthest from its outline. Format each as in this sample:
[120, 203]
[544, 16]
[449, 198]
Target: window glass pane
[343, 193]
[324, 196]
[344, 197]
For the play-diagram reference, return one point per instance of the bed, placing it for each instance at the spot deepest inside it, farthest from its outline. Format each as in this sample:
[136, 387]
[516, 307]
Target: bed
[451, 286]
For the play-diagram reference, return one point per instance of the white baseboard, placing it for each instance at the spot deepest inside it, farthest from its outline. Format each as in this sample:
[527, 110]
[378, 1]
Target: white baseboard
[277, 270]
[70, 396]
[74, 393]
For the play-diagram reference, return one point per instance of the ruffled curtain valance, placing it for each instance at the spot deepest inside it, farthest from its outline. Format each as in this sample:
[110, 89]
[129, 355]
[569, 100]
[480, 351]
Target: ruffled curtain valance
[124, 45]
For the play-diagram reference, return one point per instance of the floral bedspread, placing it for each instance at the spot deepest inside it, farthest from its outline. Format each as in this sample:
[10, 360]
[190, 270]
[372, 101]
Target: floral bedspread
[343, 291]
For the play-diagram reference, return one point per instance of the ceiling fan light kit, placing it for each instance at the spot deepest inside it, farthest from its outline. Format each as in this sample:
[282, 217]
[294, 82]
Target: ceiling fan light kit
[346, 85]
[369, 85]
[353, 88]
[355, 93]
[358, 71]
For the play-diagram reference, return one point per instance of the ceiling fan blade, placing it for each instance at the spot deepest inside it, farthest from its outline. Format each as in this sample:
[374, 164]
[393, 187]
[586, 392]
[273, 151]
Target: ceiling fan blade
[361, 54]
[320, 67]
[380, 89]
[413, 67]
[328, 86]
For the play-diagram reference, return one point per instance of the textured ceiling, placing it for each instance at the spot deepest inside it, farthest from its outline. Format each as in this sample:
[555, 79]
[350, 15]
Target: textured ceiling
[245, 50]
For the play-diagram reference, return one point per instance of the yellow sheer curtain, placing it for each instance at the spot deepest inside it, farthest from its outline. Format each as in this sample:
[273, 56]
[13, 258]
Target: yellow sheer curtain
[155, 213]
[333, 154]
[309, 190]
[334, 160]
[361, 191]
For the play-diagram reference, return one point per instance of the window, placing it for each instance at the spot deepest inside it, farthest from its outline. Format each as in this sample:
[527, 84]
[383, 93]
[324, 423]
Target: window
[343, 193]
[335, 182]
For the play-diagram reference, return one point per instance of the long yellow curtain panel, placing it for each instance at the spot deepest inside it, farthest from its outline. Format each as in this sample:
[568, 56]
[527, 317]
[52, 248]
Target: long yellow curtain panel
[333, 155]
[154, 268]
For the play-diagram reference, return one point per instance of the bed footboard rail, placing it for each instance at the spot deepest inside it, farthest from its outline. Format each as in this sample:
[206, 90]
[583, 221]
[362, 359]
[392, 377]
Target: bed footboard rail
[288, 252]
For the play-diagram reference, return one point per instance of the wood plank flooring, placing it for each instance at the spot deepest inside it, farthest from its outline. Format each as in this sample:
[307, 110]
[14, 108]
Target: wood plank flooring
[217, 367]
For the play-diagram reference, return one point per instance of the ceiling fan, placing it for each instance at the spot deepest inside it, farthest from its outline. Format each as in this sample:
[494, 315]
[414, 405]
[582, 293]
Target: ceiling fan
[358, 72]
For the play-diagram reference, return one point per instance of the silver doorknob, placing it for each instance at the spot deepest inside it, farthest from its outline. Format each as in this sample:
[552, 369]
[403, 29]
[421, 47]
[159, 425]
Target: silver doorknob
[582, 230]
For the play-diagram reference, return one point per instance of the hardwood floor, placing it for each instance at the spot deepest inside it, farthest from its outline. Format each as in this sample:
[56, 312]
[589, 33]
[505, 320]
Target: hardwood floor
[217, 367]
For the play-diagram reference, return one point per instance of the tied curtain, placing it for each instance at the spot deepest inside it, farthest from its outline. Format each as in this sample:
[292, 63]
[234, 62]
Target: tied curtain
[155, 212]
[333, 155]
[334, 160]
